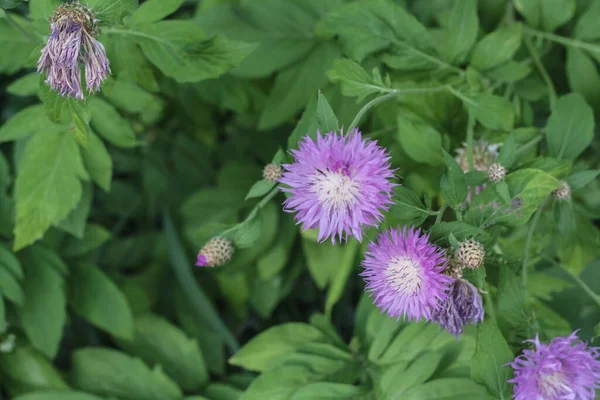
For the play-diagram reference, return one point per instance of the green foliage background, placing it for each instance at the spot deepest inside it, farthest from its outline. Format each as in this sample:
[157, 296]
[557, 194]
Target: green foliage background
[105, 202]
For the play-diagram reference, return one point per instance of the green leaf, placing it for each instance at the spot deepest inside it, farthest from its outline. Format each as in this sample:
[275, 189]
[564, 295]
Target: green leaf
[154, 10]
[43, 313]
[44, 256]
[322, 259]
[11, 288]
[16, 44]
[326, 119]
[503, 192]
[8, 4]
[514, 309]
[296, 84]
[9, 262]
[508, 152]
[259, 189]
[158, 342]
[57, 395]
[497, 47]
[408, 208]
[31, 369]
[440, 232]
[447, 389]
[463, 26]
[110, 373]
[548, 16]
[264, 351]
[74, 223]
[570, 128]
[543, 285]
[345, 264]
[248, 233]
[278, 384]
[110, 125]
[98, 162]
[181, 51]
[131, 98]
[421, 141]
[453, 182]
[47, 186]
[81, 122]
[112, 11]
[28, 85]
[355, 81]
[493, 112]
[42, 9]
[583, 76]
[307, 126]
[377, 24]
[582, 178]
[275, 259]
[329, 391]
[98, 300]
[28, 121]
[586, 28]
[564, 216]
[397, 379]
[488, 366]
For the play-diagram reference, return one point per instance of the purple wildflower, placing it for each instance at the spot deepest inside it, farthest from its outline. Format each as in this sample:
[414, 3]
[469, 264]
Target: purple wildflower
[462, 307]
[70, 46]
[564, 369]
[403, 270]
[339, 184]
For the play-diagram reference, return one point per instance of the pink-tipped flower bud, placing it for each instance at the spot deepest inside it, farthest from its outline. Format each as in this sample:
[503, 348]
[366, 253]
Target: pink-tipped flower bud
[272, 172]
[470, 254]
[215, 253]
[496, 172]
[563, 192]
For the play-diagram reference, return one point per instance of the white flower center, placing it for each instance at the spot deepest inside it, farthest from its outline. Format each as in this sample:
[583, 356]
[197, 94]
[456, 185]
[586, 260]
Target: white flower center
[553, 383]
[404, 274]
[335, 189]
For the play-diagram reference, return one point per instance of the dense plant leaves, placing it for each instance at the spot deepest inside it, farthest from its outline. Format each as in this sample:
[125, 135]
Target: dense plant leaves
[570, 127]
[154, 10]
[27, 367]
[57, 395]
[497, 47]
[28, 121]
[355, 81]
[110, 125]
[447, 389]
[463, 26]
[453, 183]
[544, 15]
[17, 40]
[421, 141]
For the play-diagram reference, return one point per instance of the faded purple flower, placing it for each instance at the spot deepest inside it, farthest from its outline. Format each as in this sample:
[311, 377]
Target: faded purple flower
[70, 46]
[463, 306]
[564, 369]
[403, 271]
[339, 184]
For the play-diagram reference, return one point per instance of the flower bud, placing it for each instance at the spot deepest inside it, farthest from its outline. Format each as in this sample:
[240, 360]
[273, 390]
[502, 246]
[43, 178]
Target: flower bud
[470, 254]
[272, 172]
[563, 192]
[215, 253]
[453, 268]
[462, 307]
[496, 172]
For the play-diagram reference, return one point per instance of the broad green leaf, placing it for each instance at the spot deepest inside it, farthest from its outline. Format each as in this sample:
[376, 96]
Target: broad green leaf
[40, 255]
[586, 28]
[570, 128]
[488, 366]
[296, 84]
[42, 9]
[564, 215]
[396, 381]
[447, 389]
[259, 189]
[509, 72]
[354, 80]
[8, 4]
[110, 373]
[248, 233]
[543, 285]
[263, 351]
[47, 186]
[582, 178]
[110, 125]
[15, 45]
[326, 119]
[508, 152]
[28, 121]
[275, 259]
[440, 232]
[376, 25]
[158, 342]
[322, 259]
[31, 369]
[453, 182]
[57, 395]
[493, 112]
[463, 26]
[278, 384]
[154, 10]
[307, 126]
[28, 85]
[544, 14]
[408, 208]
[345, 264]
[181, 51]
[9, 262]
[43, 313]
[131, 98]
[583, 76]
[413, 340]
[513, 305]
[74, 223]
[98, 162]
[497, 47]
[221, 391]
[11, 288]
[98, 300]
[112, 11]
[329, 391]
[421, 141]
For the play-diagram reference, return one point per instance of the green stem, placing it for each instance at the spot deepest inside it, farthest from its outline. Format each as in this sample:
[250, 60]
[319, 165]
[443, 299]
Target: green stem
[488, 299]
[563, 40]
[470, 129]
[390, 93]
[540, 66]
[576, 278]
[459, 216]
[534, 222]
[263, 202]
[441, 212]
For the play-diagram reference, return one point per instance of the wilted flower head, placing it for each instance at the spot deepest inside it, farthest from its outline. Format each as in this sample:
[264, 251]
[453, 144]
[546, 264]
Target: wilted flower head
[216, 252]
[403, 270]
[563, 192]
[484, 154]
[339, 184]
[70, 46]
[563, 369]
[463, 306]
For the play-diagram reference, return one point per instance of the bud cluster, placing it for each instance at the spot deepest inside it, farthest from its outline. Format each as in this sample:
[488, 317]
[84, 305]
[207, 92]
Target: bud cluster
[216, 252]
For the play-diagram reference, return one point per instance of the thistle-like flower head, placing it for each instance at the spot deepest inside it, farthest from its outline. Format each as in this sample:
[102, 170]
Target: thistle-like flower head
[403, 271]
[272, 172]
[470, 254]
[463, 306]
[71, 45]
[339, 184]
[216, 252]
[496, 172]
[565, 368]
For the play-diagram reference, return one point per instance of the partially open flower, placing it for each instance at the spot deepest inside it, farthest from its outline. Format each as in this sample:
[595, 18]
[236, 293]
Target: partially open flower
[71, 45]
[470, 253]
[216, 252]
[272, 172]
[563, 192]
[463, 306]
